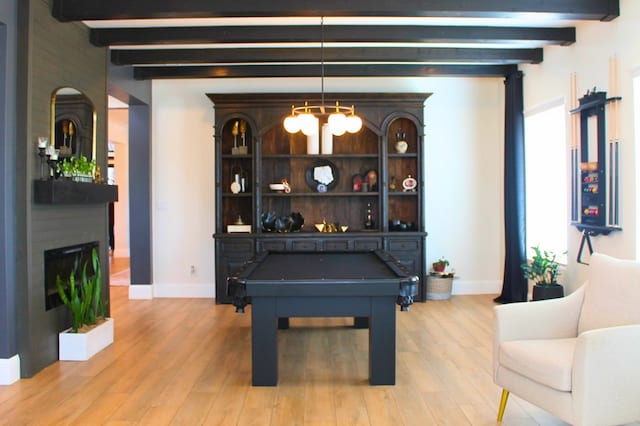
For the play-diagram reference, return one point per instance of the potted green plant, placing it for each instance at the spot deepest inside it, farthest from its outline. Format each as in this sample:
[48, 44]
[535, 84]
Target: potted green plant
[78, 168]
[440, 265]
[91, 331]
[440, 280]
[543, 270]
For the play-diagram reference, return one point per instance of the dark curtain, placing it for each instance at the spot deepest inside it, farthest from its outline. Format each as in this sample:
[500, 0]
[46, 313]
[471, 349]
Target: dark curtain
[514, 285]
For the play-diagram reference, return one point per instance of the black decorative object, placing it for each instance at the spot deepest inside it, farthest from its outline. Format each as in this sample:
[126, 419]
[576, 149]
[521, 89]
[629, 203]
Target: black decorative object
[271, 222]
[268, 220]
[369, 222]
[399, 225]
[297, 221]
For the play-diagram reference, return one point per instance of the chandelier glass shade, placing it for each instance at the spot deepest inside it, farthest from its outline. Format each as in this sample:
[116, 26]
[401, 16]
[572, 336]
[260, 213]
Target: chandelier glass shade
[341, 119]
[306, 119]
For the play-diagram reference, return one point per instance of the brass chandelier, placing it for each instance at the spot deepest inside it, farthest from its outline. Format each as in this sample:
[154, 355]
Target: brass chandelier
[340, 119]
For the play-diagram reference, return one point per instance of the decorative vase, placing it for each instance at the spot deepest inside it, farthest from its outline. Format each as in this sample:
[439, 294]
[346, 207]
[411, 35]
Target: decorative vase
[82, 346]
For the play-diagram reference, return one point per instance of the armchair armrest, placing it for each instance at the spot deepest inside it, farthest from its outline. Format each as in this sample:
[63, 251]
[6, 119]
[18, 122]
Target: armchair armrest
[544, 319]
[606, 376]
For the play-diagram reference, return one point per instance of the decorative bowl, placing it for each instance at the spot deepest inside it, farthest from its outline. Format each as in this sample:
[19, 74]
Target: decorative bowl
[278, 187]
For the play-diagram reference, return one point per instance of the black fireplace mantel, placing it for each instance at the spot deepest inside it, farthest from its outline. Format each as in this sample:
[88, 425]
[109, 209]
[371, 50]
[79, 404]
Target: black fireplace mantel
[63, 191]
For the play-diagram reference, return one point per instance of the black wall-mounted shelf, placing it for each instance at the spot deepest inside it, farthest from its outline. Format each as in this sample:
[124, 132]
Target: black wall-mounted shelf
[62, 191]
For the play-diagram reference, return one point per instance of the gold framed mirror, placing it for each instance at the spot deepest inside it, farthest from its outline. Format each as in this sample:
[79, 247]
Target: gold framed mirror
[73, 123]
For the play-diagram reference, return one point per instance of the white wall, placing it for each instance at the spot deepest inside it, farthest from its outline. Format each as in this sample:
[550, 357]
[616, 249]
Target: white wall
[464, 153]
[589, 58]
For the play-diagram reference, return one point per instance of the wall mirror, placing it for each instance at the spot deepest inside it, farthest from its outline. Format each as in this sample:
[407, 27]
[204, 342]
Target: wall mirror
[73, 123]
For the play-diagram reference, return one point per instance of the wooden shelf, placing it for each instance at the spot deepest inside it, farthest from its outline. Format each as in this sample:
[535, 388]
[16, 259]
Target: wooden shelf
[318, 156]
[62, 191]
[322, 194]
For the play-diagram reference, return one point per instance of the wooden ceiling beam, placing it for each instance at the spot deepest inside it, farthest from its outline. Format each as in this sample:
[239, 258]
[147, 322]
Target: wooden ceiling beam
[380, 55]
[332, 34]
[75, 10]
[368, 70]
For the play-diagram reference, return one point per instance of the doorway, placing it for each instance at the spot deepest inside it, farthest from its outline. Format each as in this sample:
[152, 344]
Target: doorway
[118, 174]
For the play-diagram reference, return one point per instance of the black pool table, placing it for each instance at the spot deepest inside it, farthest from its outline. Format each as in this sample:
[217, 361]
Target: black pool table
[365, 285]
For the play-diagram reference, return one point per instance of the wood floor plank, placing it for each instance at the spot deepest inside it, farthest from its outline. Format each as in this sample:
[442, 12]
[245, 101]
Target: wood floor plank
[188, 361]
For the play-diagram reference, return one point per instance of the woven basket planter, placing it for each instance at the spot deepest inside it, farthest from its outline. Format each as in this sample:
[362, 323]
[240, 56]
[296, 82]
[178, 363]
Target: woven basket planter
[439, 288]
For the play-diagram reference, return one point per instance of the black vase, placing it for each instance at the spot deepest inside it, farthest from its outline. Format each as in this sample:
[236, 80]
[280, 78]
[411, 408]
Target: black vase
[547, 291]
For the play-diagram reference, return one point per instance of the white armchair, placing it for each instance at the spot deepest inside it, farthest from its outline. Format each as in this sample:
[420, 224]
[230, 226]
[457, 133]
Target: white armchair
[577, 357]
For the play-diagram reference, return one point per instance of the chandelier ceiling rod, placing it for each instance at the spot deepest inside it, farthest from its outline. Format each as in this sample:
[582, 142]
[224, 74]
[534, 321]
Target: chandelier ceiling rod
[303, 118]
[322, 60]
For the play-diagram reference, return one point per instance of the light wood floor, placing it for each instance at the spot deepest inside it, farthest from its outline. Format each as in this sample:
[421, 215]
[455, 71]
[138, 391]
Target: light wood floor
[187, 361]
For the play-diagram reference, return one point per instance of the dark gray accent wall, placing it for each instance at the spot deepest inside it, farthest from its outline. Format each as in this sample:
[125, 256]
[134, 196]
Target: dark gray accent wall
[137, 94]
[126, 88]
[57, 55]
[8, 72]
[140, 243]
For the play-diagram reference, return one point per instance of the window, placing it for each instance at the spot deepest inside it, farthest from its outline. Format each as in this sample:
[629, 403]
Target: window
[636, 123]
[547, 197]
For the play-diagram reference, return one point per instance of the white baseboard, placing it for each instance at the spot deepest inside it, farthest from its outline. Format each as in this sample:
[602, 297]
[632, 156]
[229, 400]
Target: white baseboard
[476, 287]
[140, 291]
[184, 290]
[9, 370]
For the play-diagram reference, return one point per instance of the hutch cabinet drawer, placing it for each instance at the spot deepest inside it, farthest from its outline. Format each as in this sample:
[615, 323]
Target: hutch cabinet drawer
[237, 247]
[305, 245]
[367, 244]
[272, 245]
[337, 245]
[404, 245]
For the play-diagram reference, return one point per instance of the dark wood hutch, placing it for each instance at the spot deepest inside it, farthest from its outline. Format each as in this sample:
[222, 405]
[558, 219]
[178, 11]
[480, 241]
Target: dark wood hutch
[272, 154]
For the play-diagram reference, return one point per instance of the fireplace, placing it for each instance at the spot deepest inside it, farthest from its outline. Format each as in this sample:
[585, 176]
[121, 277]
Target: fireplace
[62, 262]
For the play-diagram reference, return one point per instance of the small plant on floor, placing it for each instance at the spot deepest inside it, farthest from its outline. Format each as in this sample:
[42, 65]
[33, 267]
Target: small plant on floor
[543, 268]
[84, 298]
[439, 268]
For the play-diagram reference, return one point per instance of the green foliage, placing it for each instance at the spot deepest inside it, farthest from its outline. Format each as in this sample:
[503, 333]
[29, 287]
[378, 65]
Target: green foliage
[543, 268]
[440, 264]
[77, 166]
[84, 299]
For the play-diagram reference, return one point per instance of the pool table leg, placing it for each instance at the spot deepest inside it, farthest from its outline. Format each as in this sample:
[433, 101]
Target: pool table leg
[382, 342]
[264, 342]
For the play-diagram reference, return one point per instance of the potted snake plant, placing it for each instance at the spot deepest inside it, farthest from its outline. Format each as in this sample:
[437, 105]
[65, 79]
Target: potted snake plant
[91, 330]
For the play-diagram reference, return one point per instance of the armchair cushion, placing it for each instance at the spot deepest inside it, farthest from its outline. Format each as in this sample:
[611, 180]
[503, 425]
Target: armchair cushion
[612, 295]
[548, 362]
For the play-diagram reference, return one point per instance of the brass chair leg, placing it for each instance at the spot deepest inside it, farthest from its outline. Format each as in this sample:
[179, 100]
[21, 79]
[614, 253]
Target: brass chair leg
[503, 404]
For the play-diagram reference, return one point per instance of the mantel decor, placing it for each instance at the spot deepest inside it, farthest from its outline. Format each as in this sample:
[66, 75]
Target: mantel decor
[63, 191]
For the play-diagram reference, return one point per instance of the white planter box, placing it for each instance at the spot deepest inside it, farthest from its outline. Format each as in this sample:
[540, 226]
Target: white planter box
[82, 346]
